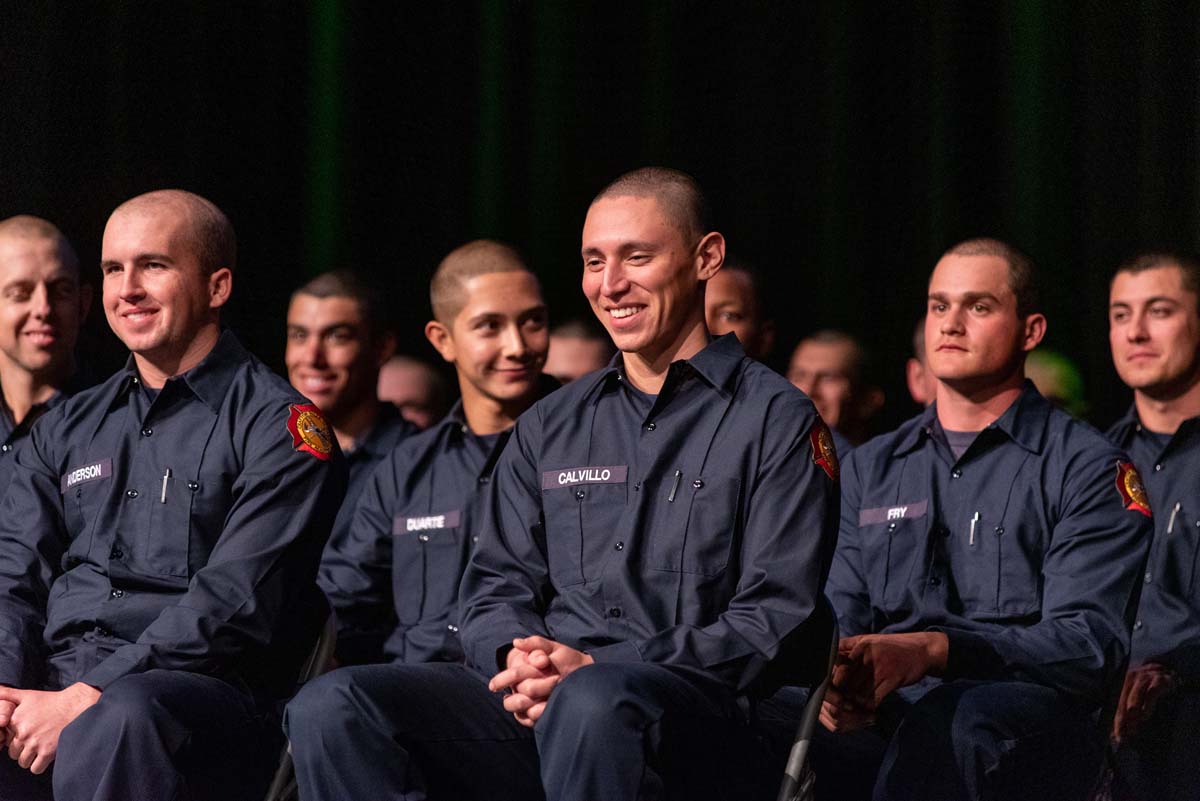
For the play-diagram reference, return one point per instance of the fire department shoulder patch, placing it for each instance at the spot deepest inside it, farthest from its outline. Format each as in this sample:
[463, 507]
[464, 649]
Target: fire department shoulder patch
[1129, 484]
[310, 432]
[824, 454]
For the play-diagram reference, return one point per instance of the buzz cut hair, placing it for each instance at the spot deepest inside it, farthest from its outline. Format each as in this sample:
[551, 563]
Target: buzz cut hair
[26, 226]
[346, 284]
[212, 233]
[1022, 276]
[448, 291]
[1188, 265]
[678, 194]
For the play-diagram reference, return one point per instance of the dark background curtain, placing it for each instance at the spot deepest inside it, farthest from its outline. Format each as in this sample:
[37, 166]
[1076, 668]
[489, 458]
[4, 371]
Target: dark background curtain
[844, 146]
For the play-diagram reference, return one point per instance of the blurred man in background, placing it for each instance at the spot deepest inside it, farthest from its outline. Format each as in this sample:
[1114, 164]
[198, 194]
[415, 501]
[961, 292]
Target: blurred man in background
[417, 389]
[576, 349]
[831, 368]
[733, 302]
[42, 306]
[922, 383]
[336, 344]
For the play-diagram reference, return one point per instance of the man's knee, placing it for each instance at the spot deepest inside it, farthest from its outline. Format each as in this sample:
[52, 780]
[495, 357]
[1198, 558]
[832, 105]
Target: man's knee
[325, 698]
[603, 694]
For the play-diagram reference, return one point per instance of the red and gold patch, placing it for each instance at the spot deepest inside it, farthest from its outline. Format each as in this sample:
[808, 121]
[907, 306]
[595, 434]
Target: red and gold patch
[824, 454]
[1129, 484]
[309, 430]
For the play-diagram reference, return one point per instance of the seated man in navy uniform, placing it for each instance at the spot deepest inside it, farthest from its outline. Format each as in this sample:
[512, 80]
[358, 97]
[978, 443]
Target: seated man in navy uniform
[393, 582]
[989, 560]
[160, 539]
[336, 344]
[43, 303]
[734, 302]
[1154, 331]
[653, 535]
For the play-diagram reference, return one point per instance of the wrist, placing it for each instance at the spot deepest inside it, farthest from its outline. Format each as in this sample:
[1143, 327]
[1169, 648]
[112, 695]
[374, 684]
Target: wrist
[937, 651]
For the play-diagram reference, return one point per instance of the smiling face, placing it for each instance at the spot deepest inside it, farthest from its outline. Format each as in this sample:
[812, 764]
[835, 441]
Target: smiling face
[973, 335]
[331, 357]
[157, 297]
[41, 305]
[641, 277]
[1154, 331]
[498, 340]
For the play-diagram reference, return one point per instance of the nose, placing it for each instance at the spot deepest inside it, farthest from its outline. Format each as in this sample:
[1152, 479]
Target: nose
[1136, 330]
[951, 322]
[615, 281]
[130, 288]
[515, 346]
[312, 351]
[39, 302]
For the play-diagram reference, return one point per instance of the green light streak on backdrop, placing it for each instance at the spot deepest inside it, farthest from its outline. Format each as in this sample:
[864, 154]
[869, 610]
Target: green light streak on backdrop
[489, 135]
[324, 139]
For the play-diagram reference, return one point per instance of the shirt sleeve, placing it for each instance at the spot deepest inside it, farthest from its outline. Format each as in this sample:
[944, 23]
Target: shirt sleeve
[356, 572]
[791, 520]
[284, 505]
[1091, 574]
[507, 582]
[33, 540]
[847, 588]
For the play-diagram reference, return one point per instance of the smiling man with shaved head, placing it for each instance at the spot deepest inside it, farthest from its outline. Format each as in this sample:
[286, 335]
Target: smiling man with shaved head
[42, 306]
[159, 541]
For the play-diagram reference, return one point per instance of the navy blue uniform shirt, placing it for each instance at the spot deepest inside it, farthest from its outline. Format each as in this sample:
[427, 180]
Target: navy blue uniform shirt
[389, 430]
[693, 528]
[1167, 629]
[182, 533]
[12, 434]
[396, 576]
[1026, 552]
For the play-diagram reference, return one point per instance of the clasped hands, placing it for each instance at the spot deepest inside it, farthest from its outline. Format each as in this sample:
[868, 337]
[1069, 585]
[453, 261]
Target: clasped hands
[31, 721]
[870, 666]
[534, 667]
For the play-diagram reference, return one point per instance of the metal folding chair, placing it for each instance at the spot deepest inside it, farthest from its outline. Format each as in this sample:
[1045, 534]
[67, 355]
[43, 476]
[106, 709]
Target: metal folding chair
[283, 785]
[798, 777]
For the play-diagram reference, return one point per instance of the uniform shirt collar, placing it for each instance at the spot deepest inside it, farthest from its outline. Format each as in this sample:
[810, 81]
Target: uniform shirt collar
[717, 363]
[1123, 430]
[381, 437]
[210, 379]
[1024, 422]
[455, 421]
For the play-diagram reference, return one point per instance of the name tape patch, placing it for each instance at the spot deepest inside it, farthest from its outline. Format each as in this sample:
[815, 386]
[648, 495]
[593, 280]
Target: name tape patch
[408, 525]
[887, 514]
[571, 476]
[88, 472]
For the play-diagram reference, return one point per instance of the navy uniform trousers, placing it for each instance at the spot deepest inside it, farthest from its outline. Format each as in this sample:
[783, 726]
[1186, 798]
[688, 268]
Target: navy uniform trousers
[161, 735]
[610, 731]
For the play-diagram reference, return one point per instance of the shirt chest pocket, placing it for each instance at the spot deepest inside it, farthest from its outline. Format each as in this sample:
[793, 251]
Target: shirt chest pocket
[582, 528]
[429, 554]
[1176, 547]
[893, 550]
[707, 536]
[169, 548]
[997, 565]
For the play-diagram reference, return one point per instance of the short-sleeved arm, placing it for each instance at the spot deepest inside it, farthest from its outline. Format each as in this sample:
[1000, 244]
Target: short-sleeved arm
[1091, 571]
[507, 582]
[791, 520]
[284, 504]
[847, 588]
[356, 571]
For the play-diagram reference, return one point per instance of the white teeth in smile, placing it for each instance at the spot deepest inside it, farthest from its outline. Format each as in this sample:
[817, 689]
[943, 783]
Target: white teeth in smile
[625, 311]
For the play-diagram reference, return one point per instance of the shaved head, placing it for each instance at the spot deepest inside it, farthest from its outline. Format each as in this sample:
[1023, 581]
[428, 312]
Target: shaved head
[678, 194]
[26, 226]
[211, 232]
[447, 291]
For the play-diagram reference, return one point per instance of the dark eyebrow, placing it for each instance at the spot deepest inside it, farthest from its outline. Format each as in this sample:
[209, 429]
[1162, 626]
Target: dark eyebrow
[968, 297]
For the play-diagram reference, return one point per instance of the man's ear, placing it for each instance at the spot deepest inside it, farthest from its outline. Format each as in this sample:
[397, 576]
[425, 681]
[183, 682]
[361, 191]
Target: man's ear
[220, 287]
[710, 255]
[1035, 331]
[442, 340]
